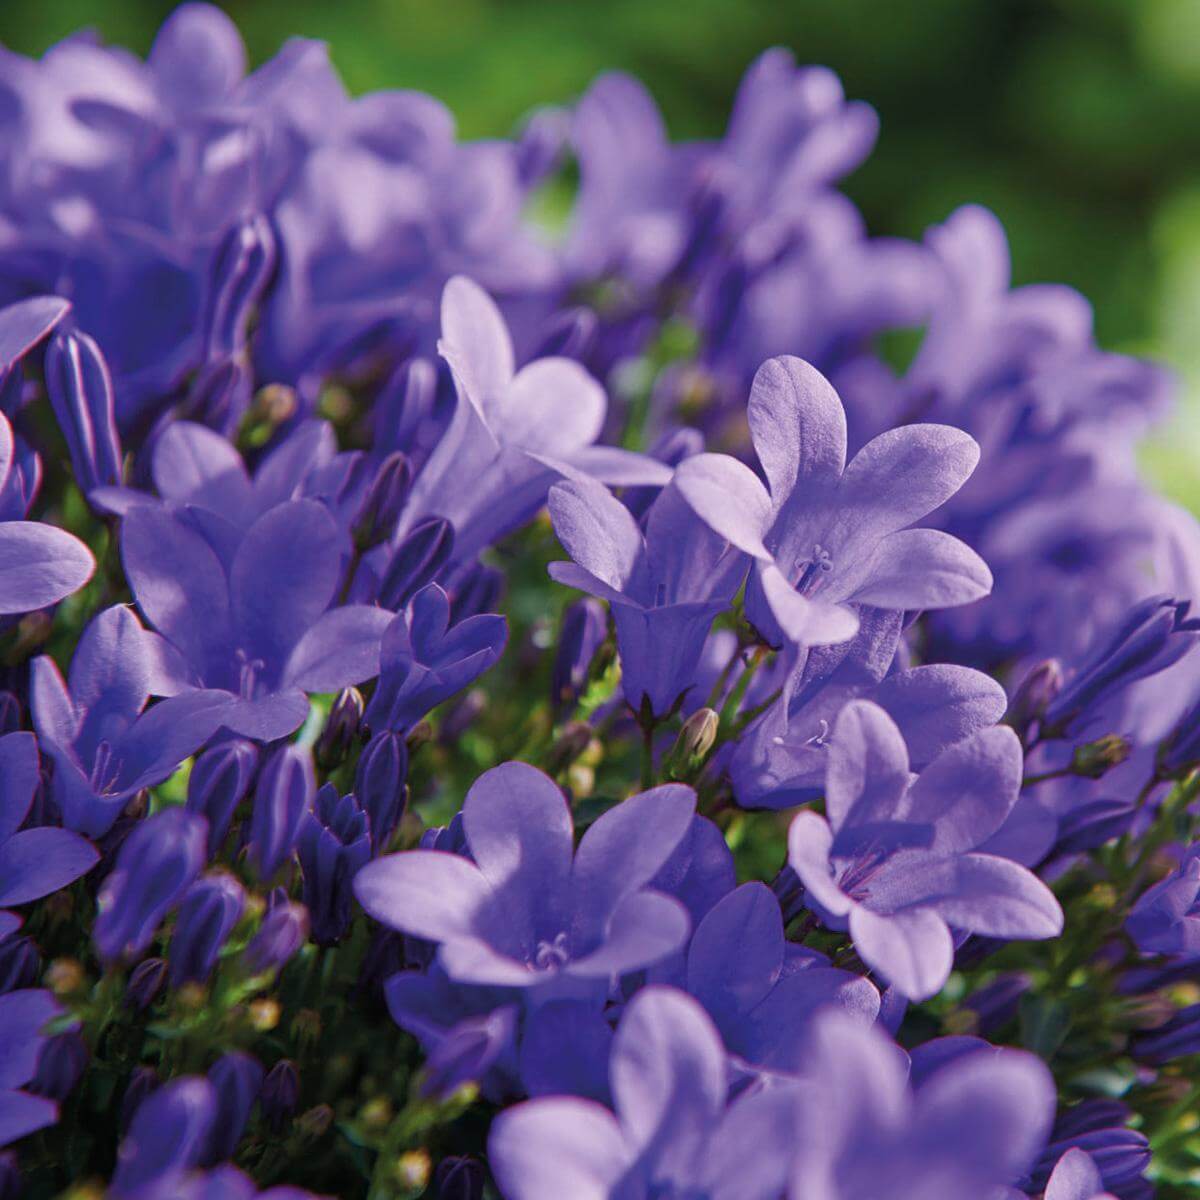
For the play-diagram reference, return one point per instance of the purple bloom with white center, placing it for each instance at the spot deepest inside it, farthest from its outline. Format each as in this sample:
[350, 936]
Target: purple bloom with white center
[761, 991]
[530, 911]
[105, 744]
[512, 432]
[780, 760]
[664, 587]
[38, 861]
[672, 1135]
[972, 1127]
[423, 659]
[1166, 918]
[269, 633]
[24, 1015]
[827, 533]
[896, 859]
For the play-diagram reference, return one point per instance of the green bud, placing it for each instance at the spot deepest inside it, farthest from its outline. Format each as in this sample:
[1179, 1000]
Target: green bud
[1099, 757]
[693, 745]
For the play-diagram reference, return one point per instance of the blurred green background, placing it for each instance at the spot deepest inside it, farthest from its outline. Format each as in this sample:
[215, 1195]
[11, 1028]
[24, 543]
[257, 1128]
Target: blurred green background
[1077, 121]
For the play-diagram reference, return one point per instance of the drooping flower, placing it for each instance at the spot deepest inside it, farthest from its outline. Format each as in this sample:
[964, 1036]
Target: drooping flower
[664, 587]
[826, 533]
[269, 633]
[672, 1134]
[105, 744]
[527, 911]
[896, 860]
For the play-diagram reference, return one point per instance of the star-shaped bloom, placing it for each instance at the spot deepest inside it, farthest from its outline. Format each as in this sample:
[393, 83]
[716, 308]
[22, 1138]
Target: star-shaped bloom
[827, 533]
[896, 859]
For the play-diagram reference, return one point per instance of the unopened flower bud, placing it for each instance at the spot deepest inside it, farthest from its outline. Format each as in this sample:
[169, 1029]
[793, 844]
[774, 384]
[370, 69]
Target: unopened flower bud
[63, 1059]
[584, 629]
[381, 507]
[379, 784]
[696, 739]
[1099, 757]
[10, 713]
[236, 1078]
[20, 964]
[145, 982]
[1034, 693]
[279, 1094]
[422, 553]
[283, 931]
[334, 844]
[207, 915]
[341, 728]
[459, 1178]
[218, 783]
[142, 1082]
[314, 1123]
[282, 795]
[478, 590]
[241, 265]
[570, 744]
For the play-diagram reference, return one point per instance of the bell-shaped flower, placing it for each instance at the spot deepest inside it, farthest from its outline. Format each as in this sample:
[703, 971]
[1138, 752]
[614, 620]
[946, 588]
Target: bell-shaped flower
[780, 759]
[261, 629]
[895, 860]
[334, 842]
[528, 911]
[827, 533]
[425, 660]
[512, 431]
[1166, 919]
[664, 587]
[972, 1126]
[33, 862]
[105, 744]
[672, 1133]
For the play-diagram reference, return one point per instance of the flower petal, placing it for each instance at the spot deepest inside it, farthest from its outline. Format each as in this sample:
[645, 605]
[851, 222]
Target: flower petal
[912, 950]
[866, 773]
[998, 898]
[729, 498]
[341, 648]
[645, 928]
[426, 893]
[18, 781]
[475, 342]
[39, 565]
[596, 530]
[36, 862]
[923, 568]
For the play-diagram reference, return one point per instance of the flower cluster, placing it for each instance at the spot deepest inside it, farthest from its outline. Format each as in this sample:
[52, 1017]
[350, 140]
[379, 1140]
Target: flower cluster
[493, 712]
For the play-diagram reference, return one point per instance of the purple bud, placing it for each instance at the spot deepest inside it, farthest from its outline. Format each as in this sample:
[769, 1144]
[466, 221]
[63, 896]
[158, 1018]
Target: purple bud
[279, 1094]
[240, 268]
[81, 393]
[218, 783]
[283, 931]
[60, 1064]
[1034, 694]
[569, 334]
[1180, 750]
[406, 409]
[459, 1178]
[154, 867]
[381, 507]
[1151, 636]
[10, 713]
[219, 395]
[996, 1004]
[467, 1052]
[146, 980]
[335, 842]
[584, 628]
[211, 908]
[477, 590]
[379, 784]
[20, 964]
[417, 560]
[282, 795]
[167, 1135]
[341, 728]
[237, 1078]
[142, 1082]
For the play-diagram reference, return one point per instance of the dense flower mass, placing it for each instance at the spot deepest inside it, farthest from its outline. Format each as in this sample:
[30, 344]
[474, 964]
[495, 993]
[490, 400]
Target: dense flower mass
[566, 716]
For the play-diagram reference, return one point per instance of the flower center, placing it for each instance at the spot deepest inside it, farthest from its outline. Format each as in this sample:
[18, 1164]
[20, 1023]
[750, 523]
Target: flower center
[248, 673]
[104, 770]
[813, 569]
[552, 956]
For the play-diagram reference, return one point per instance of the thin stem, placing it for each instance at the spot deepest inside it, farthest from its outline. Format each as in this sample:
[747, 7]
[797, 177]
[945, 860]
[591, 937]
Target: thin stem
[647, 755]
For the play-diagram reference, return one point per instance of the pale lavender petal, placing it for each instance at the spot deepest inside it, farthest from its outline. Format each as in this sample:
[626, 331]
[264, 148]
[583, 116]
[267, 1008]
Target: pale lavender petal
[1075, 1177]
[23, 1015]
[559, 1146]
[809, 842]
[475, 342]
[24, 324]
[998, 898]
[39, 565]
[596, 530]
[110, 675]
[866, 773]
[729, 498]
[644, 929]
[18, 781]
[427, 893]
[618, 467]
[553, 406]
[193, 464]
[923, 568]
[22, 1113]
[805, 622]
[912, 950]
[765, 1121]
[572, 575]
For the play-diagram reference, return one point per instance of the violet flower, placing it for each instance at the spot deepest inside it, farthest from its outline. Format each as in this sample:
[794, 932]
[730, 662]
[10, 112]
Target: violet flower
[24, 1015]
[269, 633]
[105, 744]
[529, 912]
[897, 860]
[672, 1133]
[826, 533]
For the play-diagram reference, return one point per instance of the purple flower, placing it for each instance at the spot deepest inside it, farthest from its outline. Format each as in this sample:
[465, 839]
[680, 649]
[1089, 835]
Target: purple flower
[1166, 918]
[167, 1137]
[760, 991]
[425, 660]
[1076, 1177]
[219, 781]
[33, 862]
[210, 909]
[780, 759]
[104, 747]
[973, 1126]
[897, 860]
[512, 431]
[39, 564]
[24, 324]
[1099, 1129]
[379, 784]
[283, 931]
[237, 1078]
[827, 533]
[584, 629]
[528, 912]
[283, 796]
[334, 843]
[155, 866]
[672, 1133]
[269, 634]
[24, 1015]
[664, 587]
